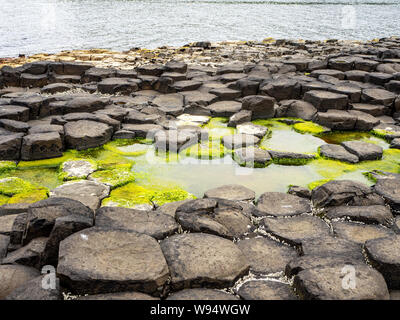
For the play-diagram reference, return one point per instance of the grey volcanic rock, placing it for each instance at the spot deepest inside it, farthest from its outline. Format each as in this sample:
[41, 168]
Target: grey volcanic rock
[330, 246]
[282, 89]
[363, 150]
[337, 152]
[56, 88]
[262, 107]
[170, 207]
[325, 100]
[157, 225]
[284, 156]
[90, 193]
[225, 93]
[4, 241]
[342, 192]
[242, 116]
[204, 260]
[329, 72]
[224, 108]
[359, 233]
[6, 223]
[395, 144]
[296, 230]
[10, 146]
[266, 290]
[307, 262]
[252, 129]
[86, 134]
[326, 283]
[33, 290]
[231, 192]
[301, 192]
[42, 215]
[280, 204]
[14, 112]
[372, 109]
[198, 97]
[41, 146]
[384, 255]
[63, 227]
[389, 189]
[117, 85]
[85, 104]
[336, 120]
[28, 255]
[14, 126]
[14, 276]
[300, 109]
[377, 214]
[265, 255]
[138, 263]
[199, 216]
[143, 130]
[239, 141]
[252, 157]
[174, 140]
[378, 96]
[79, 169]
[201, 294]
[129, 295]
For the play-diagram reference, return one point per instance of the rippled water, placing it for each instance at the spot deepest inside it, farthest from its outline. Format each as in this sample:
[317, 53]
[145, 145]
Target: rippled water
[32, 26]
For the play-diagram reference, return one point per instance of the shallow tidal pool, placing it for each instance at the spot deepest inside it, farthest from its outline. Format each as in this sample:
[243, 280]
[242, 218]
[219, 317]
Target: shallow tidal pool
[209, 164]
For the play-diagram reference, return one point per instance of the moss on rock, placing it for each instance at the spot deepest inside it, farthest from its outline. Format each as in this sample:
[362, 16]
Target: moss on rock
[6, 166]
[205, 150]
[309, 127]
[114, 178]
[128, 147]
[131, 195]
[317, 183]
[21, 191]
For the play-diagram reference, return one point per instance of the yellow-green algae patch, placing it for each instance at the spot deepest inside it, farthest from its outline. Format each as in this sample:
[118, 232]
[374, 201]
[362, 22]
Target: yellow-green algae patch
[132, 194]
[205, 150]
[21, 191]
[218, 128]
[6, 166]
[338, 137]
[46, 163]
[114, 177]
[309, 127]
[317, 183]
[128, 147]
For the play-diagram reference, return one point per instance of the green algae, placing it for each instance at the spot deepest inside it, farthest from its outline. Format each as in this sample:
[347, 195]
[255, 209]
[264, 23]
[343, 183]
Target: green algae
[114, 177]
[317, 183]
[132, 195]
[206, 150]
[6, 166]
[218, 128]
[3, 199]
[309, 127]
[29, 197]
[21, 191]
[128, 147]
[337, 137]
[291, 161]
[384, 134]
[45, 163]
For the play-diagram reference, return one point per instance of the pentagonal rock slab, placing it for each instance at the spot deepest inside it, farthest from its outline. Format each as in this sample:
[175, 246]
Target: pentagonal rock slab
[157, 225]
[384, 255]
[295, 230]
[98, 261]
[328, 283]
[204, 260]
[334, 151]
[389, 189]
[359, 233]
[280, 204]
[266, 290]
[231, 192]
[367, 214]
[265, 255]
[201, 294]
[13, 276]
[364, 150]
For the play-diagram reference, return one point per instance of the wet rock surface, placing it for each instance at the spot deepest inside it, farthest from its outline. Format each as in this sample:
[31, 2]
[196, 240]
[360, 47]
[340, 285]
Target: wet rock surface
[279, 205]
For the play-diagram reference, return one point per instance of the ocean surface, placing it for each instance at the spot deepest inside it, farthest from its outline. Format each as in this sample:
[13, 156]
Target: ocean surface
[33, 26]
